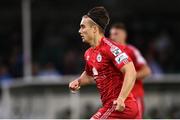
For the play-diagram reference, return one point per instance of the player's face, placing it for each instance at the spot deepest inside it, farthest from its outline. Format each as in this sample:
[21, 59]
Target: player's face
[86, 30]
[118, 35]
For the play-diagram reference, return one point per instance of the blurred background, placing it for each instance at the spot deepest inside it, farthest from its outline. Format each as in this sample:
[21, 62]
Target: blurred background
[41, 51]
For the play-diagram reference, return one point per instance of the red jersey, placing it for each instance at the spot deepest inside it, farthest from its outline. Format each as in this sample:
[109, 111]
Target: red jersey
[103, 63]
[139, 61]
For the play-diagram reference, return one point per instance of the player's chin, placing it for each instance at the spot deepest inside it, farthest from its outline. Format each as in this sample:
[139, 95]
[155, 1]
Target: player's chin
[84, 40]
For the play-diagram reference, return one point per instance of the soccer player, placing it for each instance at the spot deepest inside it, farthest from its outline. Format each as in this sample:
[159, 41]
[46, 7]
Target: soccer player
[109, 66]
[118, 34]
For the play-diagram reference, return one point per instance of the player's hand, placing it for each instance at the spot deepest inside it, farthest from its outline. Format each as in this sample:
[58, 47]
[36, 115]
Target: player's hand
[120, 106]
[74, 85]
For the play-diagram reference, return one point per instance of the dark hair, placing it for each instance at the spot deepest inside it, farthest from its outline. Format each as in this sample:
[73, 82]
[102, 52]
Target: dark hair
[119, 26]
[100, 16]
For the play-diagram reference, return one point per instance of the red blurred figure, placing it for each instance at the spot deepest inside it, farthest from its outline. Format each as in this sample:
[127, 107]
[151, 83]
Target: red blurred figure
[118, 34]
[110, 67]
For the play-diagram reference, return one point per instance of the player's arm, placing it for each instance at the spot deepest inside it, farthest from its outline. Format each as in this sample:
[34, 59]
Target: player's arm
[129, 79]
[144, 72]
[140, 61]
[84, 79]
[124, 63]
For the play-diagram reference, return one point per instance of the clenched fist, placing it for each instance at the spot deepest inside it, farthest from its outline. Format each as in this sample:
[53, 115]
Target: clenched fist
[120, 106]
[74, 85]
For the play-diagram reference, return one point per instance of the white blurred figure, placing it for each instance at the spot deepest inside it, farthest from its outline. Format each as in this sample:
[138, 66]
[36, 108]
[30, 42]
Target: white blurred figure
[49, 72]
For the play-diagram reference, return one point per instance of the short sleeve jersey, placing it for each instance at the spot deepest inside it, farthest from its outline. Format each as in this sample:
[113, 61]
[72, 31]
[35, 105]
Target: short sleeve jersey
[104, 63]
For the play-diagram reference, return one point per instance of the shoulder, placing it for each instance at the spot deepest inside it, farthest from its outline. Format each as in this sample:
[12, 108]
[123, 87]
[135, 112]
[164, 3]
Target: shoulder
[131, 47]
[110, 43]
[87, 52]
[137, 54]
[111, 46]
[132, 50]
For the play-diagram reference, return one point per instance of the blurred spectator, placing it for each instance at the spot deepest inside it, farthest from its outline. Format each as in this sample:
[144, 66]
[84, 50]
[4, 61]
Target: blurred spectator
[35, 69]
[5, 76]
[16, 62]
[48, 71]
[71, 62]
[150, 56]
[164, 48]
[52, 46]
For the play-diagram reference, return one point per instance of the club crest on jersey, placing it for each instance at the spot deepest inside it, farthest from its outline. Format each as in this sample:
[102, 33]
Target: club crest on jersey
[115, 50]
[99, 57]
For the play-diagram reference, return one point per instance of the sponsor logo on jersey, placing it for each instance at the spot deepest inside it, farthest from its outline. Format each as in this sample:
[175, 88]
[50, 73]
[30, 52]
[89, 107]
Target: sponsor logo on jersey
[116, 51]
[87, 58]
[95, 72]
[99, 57]
[121, 57]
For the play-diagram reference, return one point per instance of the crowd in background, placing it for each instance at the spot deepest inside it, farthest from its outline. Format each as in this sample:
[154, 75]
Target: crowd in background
[62, 56]
[58, 50]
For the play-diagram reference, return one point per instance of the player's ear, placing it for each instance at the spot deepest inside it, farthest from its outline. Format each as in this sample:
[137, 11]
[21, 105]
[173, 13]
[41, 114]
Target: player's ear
[95, 28]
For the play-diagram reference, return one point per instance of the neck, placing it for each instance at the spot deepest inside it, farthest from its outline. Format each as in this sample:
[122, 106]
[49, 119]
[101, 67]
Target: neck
[96, 41]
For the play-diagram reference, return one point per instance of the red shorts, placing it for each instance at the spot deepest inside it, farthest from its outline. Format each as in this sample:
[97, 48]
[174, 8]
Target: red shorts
[140, 103]
[130, 112]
